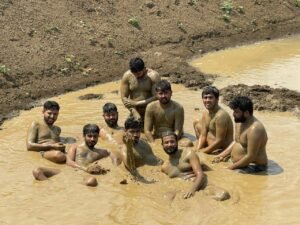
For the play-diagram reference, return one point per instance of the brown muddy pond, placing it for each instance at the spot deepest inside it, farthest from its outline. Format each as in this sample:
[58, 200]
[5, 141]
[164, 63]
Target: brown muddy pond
[271, 198]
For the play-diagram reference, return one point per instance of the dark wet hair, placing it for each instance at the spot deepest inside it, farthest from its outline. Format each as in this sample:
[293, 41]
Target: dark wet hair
[51, 105]
[132, 123]
[243, 103]
[136, 65]
[90, 129]
[163, 85]
[168, 133]
[109, 107]
[210, 90]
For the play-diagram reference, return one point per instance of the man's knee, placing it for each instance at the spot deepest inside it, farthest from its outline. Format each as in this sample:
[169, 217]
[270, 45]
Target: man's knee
[37, 172]
[60, 157]
[91, 181]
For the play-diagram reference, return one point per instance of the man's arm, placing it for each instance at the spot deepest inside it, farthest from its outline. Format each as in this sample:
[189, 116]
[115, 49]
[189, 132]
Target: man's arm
[224, 155]
[198, 183]
[71, 157]
[125, 92]
[203, 134]
[179, 120]
[32, 138]
[254, 138]
[221, 131]
[148, 126]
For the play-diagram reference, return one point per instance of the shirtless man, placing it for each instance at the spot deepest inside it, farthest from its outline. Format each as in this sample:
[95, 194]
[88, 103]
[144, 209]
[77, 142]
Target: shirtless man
[43, 136]
[165, 115]
[136, 152]
[215, 131]
[82, 156]
[138, 87]
[186, 164]
[248, 151]
[111, 131]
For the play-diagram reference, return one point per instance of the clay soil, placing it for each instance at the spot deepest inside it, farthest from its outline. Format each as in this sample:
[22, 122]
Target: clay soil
[49, 47]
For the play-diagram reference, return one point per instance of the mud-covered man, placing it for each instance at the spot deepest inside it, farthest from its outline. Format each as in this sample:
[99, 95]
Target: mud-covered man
[215, 131]
[135, 151]
[83, 156]
[138, 87]
[165, 115]
[248, 151]
[111, 131]
[43, 136]
[185, 163]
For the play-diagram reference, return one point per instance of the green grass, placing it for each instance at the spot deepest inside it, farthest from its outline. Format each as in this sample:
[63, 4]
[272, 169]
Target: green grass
[4, 70]
[227, 7]
[297, 3]
[134, 21]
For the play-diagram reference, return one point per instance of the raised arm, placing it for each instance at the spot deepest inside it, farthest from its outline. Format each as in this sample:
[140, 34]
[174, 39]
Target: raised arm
[196, 166]
[179, 120]
[149, 123]
[254, 138]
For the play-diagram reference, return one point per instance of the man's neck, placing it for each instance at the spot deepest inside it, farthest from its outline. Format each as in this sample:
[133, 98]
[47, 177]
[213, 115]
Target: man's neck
[214, 110]
[166, 105]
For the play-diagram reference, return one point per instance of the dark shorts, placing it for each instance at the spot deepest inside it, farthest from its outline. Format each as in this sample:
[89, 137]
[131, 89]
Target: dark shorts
[252, 168]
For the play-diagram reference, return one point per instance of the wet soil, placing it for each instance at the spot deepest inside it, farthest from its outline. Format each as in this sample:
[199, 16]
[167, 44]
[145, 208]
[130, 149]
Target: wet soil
[52, 47]
[264, 97]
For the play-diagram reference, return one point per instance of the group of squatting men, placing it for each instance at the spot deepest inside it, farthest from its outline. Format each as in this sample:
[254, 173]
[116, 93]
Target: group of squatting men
[148, 99]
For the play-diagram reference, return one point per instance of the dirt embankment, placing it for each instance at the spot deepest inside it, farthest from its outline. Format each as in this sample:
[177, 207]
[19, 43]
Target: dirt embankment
[53, 46]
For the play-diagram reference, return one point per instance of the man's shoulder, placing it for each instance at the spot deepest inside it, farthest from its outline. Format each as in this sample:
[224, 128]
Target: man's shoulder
[153, 104]
[223, 113]
[127, 74]
[154, 75]
[176, 105]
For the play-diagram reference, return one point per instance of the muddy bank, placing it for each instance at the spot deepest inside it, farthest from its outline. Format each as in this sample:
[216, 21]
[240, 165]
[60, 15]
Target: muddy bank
[52, 47]
[264, 97]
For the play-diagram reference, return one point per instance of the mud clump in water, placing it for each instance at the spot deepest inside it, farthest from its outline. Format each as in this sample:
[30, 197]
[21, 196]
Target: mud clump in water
[264, 97]
[90, 96]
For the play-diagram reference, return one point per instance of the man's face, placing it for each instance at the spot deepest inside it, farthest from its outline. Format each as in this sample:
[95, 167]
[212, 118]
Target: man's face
[140, 74]
[169, 144]
[164, 97]
[50, 116]
[111, 118]
[135, 134]
[239, 116]
[91, 139]
[209, 101]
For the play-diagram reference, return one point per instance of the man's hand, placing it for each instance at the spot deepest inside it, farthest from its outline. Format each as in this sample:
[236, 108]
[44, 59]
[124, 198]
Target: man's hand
[59, 146]
[188, 195]
[129, 103]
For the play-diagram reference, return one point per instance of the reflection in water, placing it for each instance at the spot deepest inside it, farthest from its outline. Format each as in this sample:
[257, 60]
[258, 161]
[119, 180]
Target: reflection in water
[274, 63]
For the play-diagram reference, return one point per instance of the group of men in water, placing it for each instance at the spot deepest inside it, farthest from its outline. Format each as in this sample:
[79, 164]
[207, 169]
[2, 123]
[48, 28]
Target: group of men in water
[148, 99]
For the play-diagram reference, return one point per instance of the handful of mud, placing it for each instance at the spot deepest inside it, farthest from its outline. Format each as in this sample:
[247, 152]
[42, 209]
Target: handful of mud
[96, 169]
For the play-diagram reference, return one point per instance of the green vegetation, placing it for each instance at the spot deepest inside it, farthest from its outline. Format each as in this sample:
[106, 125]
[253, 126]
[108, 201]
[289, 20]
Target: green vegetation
[110, 41]
[52, 30]
[226, 18]
[297, 3]
[134, 21]
[120, 53]
[227, 7]
[4, 70]
[180, 26]
[73, 65]
[192, 2]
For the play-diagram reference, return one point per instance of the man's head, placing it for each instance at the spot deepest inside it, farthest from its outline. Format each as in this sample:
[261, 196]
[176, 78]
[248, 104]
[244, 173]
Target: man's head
[210, 97]
[163, 91]
[242, 107]
[91, 134]
[133, 129]
[110, 114]
[169, 142]
[137, 67]
[50, 112]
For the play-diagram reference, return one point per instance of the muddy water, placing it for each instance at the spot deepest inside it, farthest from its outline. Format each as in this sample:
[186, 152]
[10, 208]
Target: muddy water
[275, 63]
[272, 198]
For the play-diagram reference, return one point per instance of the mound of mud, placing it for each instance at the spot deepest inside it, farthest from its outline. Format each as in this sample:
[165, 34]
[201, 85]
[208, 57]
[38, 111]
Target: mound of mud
[264, 97]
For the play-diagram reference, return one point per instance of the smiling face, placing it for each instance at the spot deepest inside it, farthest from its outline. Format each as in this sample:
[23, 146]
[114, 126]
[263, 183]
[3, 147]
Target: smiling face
[169, 144]
[50, 116]
[209, 101]
[91, 139]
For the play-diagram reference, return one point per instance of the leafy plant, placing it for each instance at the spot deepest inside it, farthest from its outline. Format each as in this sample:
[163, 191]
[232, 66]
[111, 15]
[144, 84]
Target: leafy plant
[110, 41]
[226, 18]
[134, 21]
[180, 26]
[4, 70]
[227, 7]
[297, 3]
